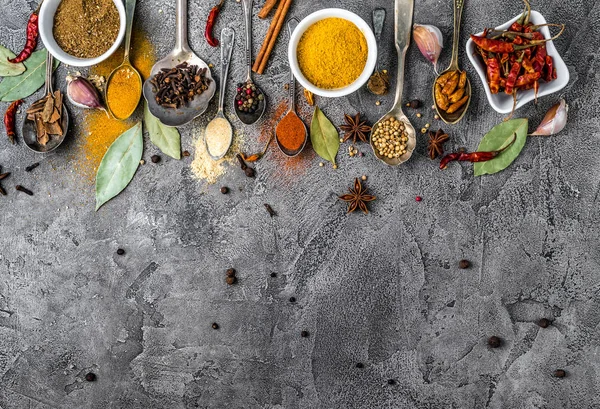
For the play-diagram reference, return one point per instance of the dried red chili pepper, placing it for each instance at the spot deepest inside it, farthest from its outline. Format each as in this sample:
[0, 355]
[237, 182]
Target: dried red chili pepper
[473, 156]
[210, 23]
[512, 76]
[31, 43]
[9, 120]
[493, 74]
[527, 79]
[550, 70]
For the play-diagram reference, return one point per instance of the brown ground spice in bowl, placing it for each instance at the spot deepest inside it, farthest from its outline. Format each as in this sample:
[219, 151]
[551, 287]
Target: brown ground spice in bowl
[86, 28]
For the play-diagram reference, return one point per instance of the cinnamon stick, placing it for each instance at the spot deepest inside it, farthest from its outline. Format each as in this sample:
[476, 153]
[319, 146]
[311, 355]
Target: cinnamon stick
[271, 37]
[266, 9]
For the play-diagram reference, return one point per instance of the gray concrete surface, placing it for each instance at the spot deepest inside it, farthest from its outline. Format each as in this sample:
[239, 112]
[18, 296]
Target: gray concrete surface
[383, 289]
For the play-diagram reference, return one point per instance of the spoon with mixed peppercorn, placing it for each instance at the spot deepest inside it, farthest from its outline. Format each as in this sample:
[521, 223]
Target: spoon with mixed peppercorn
[452, 88]
[250, 102]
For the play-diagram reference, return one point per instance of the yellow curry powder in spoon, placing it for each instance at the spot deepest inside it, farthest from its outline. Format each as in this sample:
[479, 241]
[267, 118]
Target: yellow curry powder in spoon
[123, 92]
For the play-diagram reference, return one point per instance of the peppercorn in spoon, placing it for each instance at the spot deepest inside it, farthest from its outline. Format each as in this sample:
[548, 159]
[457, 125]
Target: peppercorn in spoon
[250, 102]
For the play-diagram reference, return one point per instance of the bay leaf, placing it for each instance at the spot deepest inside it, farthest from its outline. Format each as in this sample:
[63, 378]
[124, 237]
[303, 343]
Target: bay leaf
[22, 86]
[497, 138]
[8, 69]
[324, 137]
[166, 138]
[119, 164]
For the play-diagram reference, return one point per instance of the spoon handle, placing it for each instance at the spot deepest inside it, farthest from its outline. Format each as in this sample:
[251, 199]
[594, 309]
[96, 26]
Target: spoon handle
[227, 41]
[458, 8]
[129, 11]
[403, 18]
[181, 27]
[247, 6]
[378, 17]
[49, 89]
[292, 24]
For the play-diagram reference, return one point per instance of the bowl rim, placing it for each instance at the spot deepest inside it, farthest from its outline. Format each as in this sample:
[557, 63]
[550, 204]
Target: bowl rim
[47, 11]
[321, 15]
[527, 96]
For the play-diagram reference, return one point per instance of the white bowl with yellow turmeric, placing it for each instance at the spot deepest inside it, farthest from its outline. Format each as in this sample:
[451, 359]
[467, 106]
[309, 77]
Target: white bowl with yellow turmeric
[332, 52]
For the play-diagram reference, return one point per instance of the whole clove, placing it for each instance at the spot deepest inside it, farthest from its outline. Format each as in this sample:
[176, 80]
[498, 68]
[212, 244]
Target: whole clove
[249, 172]
[241, 160]
[270, 210]
[32, 167]
[230, 272]
[2, 191]
[24, 190]
[4, 175]
[175, 87]
[230, 280]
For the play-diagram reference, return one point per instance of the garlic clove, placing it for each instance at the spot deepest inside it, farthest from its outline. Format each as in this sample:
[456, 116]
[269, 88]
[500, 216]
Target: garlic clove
[430, 41]
[83, 94]
[554, 121]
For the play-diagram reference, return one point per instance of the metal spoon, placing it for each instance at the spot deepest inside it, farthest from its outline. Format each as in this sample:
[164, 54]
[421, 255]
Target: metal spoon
[249, 118]
[29, 129]
[126, 65]
[181, 53]
[378, 78]
[227, 41]
[403, 25]
[292, 23]
[458, 115]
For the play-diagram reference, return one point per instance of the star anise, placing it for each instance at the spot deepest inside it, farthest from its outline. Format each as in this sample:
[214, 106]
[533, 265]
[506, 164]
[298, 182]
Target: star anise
[355, 128]
[436, 143]
[3, 176]
[357, 198]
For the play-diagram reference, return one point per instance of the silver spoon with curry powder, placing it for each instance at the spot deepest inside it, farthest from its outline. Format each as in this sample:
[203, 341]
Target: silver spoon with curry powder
[29, 128]
[182, 53]
[394, 125]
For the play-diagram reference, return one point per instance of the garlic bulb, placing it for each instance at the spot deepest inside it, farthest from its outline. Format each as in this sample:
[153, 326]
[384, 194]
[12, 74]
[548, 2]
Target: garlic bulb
[430, 41]
[554, 121]
[82, 93]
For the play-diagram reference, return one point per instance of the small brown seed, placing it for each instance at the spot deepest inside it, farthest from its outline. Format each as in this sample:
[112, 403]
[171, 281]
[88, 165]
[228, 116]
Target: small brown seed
[494, 342]
[120, 252]
[270, 210]
[185, 153]
[304, 334]
[249, 172]
[359, 365]
[391, 382]
[544, 323]
[215, 325]
[155, 158]
[415, 103]
[273, 275]
[230, 280]
[230, 272]
[560, 373]
[224, 190]
[90, 377]
[464, 264]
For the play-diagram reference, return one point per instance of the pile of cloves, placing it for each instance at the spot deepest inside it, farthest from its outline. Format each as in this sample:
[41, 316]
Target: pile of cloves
[247, 169]
[174, 87]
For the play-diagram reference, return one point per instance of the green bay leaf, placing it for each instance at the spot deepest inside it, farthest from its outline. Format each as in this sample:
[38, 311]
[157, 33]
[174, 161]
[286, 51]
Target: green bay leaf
[166, 138]
[497, 138]
[22, 86]
[324, 137]
[8, 69]
[119, 164]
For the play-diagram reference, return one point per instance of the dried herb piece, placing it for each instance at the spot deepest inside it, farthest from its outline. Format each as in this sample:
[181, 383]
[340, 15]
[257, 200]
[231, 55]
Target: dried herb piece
[324, 137]
[270, 210]
[498, 138]
[436, 143]
[24, 190]
[355, 128]
[22, 86]
[379, 83]
[357, 198]
[166, 138]
[9, 69]
[310, 97]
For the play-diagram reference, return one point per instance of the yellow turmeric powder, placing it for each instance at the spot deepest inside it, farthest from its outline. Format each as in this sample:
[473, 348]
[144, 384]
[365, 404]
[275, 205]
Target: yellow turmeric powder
[123, 92]
[332, 53]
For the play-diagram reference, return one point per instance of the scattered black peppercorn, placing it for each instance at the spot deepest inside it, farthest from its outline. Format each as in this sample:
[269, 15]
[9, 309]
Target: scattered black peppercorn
[560, 373]
[270, 210]
[230, 272]
[415, 103]
[120, 252]
[391, 382]
[494, 341]
[90, 377]
[230, 280]
[359, 365]
[215, 325]
[249, 172]
[304, 334]
[273, 275]
[32, 167]
[185, 154]
[224, 190]
[155, 158]
[464, 264]
[292, 299]
[24, 190]
[544, 323]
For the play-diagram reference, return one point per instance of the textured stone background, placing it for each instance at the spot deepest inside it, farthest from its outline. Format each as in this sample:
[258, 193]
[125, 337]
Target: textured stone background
[383, 289]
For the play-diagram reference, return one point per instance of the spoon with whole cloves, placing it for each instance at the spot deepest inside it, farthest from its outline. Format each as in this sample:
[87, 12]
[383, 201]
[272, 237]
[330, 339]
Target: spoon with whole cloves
[250, 101]
[393, 137]
[452, 88]
[36, 123]
[291, 133]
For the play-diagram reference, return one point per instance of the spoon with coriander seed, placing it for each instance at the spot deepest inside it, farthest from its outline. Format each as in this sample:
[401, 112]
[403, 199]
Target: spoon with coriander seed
[250, 101]
[452, 88]
[393, 137]
[124, 84]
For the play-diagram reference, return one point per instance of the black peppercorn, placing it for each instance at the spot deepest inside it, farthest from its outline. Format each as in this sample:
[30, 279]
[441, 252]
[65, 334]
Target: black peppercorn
[155, 158]
[391, 382]
[185, 154]
[494, 342]
[215, 325]
[224, 190]
[120, 252]
[230, 280]
[90, 377]
[273, 275]
[249, 172]
[464, 264]
[304, 334]
[359, 365]
[292, 299]
[230, 272]
[544, 323]
[560, 373]
[415, 103]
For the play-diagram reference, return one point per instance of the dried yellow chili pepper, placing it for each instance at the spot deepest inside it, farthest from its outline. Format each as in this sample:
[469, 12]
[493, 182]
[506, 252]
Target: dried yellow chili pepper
[443, 79]
[456, 106]
[440, 99]
[458, 94]
[462, 82]
[451, 85]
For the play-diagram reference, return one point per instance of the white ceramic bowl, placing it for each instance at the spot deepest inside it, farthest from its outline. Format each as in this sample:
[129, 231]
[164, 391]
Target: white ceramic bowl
[47, 12]
[503, 103]
[320, 15]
